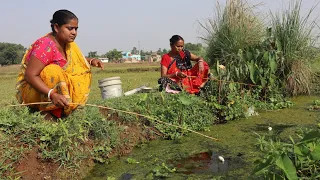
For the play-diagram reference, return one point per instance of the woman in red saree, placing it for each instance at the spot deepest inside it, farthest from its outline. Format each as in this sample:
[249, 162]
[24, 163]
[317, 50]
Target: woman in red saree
[177, 73]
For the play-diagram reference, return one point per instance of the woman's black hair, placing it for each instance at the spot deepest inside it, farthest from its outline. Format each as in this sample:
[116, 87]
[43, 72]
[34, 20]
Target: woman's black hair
[175, 38]
[62, 17]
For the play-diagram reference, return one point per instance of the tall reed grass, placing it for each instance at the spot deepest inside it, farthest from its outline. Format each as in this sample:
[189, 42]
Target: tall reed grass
[236, 28]
[233, 27]
[293, 37]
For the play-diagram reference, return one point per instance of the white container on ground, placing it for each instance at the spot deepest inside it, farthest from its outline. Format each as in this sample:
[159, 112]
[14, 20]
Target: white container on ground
[110, 87]
[133, 91]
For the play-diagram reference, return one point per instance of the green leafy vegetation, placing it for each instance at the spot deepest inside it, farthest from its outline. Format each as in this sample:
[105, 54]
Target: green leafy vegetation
[184, 110]
[83, 135]
[279, 57]
[297, 159]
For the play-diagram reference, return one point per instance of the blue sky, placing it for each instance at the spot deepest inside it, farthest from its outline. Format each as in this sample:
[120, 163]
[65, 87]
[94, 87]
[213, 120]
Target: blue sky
[121, 24]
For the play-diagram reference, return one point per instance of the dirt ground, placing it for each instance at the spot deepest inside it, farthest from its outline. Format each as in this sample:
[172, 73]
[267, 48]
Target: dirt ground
[32, 167]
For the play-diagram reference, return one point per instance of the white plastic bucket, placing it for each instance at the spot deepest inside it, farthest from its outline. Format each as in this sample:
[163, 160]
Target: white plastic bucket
[110, 87]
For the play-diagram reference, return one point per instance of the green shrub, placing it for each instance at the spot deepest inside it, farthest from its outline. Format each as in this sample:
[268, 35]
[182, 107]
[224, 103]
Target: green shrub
[290, 160]
[232, 28]
[292, 35]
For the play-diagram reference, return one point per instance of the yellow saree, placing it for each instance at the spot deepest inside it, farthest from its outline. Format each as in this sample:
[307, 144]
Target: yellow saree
[73, 81]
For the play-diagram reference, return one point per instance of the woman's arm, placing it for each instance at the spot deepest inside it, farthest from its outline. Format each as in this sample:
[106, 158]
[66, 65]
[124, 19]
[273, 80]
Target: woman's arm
[164, 71]
[32, 76]
[199, 60]
[95, 62]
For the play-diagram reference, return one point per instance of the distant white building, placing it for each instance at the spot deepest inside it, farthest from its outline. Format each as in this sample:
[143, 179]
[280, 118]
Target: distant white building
[104, 60]
[128, 55]
[154, 57]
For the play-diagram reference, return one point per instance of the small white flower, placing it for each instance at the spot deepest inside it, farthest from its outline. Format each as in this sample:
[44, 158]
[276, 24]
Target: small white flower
[221, 158]
[270, 128]
[222, 67]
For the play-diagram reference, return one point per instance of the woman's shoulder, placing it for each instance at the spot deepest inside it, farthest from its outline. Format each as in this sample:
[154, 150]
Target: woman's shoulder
[165, 60]
[43, 40]
[44, 49]
[165, 56]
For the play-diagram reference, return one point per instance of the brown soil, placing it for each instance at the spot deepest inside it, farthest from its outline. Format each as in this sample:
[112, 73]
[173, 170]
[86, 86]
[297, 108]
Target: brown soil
[133, 134]
[32, 167]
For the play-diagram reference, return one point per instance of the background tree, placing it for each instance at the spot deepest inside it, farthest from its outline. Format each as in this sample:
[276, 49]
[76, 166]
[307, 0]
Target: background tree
[164, 51]
[11, 53]
[134, 51]
[93, 54]
[114, 55]
[196, 49]
[193, 47]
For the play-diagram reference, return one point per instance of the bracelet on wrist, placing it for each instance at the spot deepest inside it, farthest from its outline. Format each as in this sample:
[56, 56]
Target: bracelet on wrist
[50, 93]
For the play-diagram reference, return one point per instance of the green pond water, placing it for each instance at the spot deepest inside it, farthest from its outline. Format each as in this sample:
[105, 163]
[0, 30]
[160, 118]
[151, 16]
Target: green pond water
[196, 157]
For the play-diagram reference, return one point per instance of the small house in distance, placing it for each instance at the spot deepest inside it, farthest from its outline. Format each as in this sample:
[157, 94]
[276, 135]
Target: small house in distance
[128, 55]
[104, 60]
[154, 57]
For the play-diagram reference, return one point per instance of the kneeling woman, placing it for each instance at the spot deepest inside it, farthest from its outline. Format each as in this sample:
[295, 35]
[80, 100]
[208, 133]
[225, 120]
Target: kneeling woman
[54, 69]
[177, 73]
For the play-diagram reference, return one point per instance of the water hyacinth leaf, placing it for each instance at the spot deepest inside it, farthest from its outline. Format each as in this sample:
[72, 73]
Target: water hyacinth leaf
[60, 140]
[132, 161]
[263, 82]
[236, 69]
[266, 56]
[305, 151]
[263, 166]
[257, 54]
[278, 45]
[45, 138]
[185, 100]
[232, 86]
[240, 54]
[285, 163]
[143, 98]
[310, 136]
[315, 153]
[271, 81]
[297, 150]
[252, 70]
[273, 65]
[260, 70]
[249, 56]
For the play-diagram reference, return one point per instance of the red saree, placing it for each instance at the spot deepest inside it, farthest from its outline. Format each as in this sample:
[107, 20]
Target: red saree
[194, 80]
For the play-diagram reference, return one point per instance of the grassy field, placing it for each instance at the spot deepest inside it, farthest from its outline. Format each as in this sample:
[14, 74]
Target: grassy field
[132, 76]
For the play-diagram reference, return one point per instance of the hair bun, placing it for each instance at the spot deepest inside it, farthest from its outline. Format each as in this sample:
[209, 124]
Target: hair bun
[175, 38]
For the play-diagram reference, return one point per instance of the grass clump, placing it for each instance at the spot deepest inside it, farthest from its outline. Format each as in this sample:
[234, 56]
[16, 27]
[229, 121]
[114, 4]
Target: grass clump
[232, 28]
[236, 38]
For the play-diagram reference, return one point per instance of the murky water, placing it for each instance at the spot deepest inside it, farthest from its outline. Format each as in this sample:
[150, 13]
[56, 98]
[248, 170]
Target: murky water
[126, 176]
[195, 157]
[205, 163]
